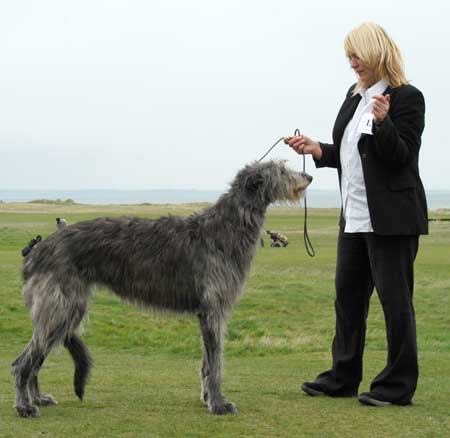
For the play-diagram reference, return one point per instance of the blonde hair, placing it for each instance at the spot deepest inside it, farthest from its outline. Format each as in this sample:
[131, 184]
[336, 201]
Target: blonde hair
[375, 48]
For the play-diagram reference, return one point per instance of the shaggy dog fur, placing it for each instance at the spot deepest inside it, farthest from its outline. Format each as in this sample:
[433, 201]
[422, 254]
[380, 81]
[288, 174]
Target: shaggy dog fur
[197, 264]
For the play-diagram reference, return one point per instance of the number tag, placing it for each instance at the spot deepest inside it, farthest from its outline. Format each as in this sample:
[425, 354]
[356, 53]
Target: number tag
[365, 124]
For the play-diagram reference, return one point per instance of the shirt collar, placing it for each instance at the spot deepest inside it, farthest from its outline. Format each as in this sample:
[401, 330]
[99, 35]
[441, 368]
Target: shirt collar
[375, 89]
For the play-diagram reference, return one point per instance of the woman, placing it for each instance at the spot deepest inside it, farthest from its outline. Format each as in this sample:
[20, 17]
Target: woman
[376, 142]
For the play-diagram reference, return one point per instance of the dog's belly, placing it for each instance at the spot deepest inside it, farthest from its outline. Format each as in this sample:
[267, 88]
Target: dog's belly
[159, 298]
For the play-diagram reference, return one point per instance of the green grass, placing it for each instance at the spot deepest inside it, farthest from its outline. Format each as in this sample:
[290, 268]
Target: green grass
[145, 381]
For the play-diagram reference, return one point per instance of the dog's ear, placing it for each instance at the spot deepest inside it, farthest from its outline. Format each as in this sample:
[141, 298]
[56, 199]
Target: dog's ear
[254, 189]
[253, 184]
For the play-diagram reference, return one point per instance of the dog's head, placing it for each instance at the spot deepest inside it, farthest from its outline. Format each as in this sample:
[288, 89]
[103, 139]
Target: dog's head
[271, 181]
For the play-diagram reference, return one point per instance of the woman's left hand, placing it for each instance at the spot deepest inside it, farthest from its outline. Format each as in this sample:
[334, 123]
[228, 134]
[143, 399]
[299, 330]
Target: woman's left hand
[380, 107]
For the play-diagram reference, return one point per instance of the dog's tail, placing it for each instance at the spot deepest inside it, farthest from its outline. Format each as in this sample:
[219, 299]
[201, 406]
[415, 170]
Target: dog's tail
[82, 361]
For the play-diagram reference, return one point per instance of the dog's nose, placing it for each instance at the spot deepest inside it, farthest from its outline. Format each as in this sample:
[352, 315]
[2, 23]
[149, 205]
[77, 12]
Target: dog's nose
[308, 177]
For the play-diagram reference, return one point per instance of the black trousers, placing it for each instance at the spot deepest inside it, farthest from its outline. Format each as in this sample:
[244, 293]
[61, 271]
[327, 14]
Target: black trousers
[365, 260]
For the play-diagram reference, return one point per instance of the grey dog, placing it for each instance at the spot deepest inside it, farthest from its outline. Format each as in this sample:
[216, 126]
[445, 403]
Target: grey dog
[197, 264]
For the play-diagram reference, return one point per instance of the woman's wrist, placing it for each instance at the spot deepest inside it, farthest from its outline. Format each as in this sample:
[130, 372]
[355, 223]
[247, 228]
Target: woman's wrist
[317, 153]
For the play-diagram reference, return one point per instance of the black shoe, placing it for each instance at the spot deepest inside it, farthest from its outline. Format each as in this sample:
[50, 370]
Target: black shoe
[315, 388]
[375, 399]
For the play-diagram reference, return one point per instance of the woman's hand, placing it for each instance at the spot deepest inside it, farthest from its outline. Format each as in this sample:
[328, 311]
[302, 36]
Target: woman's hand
[380, 107]
[304, 145]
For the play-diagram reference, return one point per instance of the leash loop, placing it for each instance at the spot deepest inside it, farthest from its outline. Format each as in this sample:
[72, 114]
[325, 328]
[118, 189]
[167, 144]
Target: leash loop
[308, 245]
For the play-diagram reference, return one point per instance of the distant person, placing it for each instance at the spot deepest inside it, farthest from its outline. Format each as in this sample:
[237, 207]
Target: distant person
[60, 223]
[375, 149]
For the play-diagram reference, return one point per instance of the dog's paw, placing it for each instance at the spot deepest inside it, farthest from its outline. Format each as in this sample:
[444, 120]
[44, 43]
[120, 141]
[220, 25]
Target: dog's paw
[204, 397]
[27, 411]
[222, 408]
[46, 400]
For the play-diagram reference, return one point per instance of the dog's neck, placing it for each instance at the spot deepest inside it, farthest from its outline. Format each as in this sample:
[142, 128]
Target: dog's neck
[239, 219]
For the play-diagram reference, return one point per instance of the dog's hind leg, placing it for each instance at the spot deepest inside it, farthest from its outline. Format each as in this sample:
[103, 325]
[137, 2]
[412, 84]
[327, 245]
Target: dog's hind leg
[21, 370]
[25, 370]
[34, 390]
[213, 327]
[55, 313]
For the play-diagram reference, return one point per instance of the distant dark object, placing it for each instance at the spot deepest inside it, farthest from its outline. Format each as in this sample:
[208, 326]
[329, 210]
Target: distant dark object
[60, 223]
[33, 242]
[278, 240]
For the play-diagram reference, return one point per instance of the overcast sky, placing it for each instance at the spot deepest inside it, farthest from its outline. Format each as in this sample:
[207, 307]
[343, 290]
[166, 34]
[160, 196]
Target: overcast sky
[147, 94]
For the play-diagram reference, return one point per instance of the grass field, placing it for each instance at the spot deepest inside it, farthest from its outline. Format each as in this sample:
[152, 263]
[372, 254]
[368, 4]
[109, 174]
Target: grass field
[145, 380]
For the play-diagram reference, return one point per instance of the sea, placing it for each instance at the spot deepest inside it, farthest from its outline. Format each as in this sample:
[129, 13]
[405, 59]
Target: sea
[316, 198]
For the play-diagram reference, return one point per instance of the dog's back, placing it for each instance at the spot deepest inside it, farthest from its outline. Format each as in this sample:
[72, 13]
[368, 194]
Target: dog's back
[149, 262]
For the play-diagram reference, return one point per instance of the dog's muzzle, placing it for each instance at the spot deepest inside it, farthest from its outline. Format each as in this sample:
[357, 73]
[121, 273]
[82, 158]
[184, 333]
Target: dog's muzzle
[309, 178]
[302, 182]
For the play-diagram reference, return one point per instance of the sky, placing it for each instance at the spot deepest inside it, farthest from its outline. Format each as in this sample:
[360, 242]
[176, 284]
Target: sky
[176, 94]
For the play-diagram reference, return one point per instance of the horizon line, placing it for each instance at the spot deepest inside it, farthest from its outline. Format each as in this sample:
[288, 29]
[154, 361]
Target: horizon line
[163, 189]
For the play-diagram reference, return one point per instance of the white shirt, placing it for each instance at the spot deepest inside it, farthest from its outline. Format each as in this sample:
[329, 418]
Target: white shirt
[353, 188]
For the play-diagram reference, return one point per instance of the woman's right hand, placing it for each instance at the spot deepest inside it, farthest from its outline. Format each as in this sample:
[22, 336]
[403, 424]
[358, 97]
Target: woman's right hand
[304, 145]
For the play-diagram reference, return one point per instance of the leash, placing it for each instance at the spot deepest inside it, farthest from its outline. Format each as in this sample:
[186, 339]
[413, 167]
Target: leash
[268, 152]
[308, 245]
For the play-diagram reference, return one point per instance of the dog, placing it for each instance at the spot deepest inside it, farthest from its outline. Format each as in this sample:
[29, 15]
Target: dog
[198, 265]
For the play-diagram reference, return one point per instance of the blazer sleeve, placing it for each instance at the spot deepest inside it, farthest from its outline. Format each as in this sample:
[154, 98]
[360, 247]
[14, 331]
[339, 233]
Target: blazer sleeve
[397, 140]
[328, 158]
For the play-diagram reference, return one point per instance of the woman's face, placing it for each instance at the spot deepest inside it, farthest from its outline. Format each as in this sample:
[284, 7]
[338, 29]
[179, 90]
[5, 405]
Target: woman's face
[364, 72]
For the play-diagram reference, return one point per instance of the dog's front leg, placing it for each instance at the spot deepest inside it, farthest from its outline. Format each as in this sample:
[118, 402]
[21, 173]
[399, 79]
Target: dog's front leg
[204, 373]
[213, 327]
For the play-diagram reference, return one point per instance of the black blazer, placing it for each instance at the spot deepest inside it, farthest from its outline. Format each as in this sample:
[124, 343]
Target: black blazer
[395, 194]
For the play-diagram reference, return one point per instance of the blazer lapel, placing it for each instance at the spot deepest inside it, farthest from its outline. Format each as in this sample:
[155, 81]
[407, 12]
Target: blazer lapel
[346, 112]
